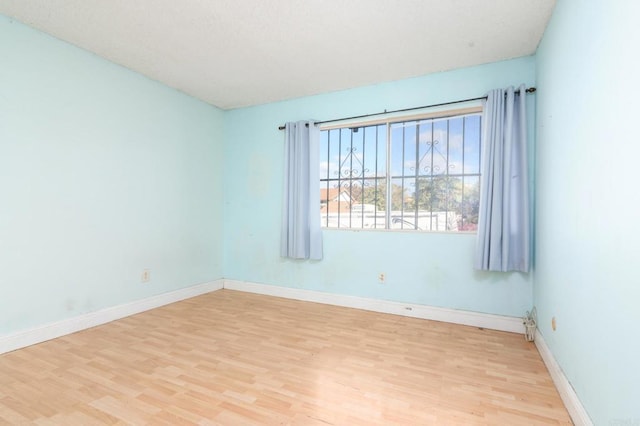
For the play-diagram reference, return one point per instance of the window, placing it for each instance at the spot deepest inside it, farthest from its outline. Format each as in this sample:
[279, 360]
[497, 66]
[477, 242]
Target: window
[421, 174]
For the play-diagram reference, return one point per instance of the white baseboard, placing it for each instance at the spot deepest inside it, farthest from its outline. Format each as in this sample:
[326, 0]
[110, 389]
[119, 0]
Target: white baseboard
[567, 393]
[475, 319]
[50, 331]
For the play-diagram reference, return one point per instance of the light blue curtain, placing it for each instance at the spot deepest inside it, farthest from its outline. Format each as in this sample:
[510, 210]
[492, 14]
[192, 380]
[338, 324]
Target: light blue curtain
[301, 236]
[503, 222]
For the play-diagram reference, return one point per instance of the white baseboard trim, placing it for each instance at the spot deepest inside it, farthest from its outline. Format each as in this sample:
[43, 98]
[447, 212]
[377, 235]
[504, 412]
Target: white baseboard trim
[567, 393]
[475, 319]
[50, 331]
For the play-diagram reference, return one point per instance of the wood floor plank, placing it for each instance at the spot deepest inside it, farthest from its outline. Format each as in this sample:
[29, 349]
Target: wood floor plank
[232, 358]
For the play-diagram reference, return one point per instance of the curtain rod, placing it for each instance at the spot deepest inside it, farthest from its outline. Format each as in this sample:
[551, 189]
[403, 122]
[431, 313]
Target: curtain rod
[529, 90]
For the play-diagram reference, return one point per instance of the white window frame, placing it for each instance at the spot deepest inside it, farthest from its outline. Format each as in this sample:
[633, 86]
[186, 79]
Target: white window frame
[389, 122]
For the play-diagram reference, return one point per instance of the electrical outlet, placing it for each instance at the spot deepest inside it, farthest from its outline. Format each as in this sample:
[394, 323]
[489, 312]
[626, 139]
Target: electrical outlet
[146, 276]
[381, 277]
[553, 323]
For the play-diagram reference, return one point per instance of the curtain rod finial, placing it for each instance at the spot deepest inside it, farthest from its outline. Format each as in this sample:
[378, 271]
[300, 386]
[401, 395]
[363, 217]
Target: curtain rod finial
[531, 90]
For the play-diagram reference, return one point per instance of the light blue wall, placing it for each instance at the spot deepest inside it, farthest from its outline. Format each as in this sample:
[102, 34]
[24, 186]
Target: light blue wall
[102, 173]
[588, 202]
[431, 269]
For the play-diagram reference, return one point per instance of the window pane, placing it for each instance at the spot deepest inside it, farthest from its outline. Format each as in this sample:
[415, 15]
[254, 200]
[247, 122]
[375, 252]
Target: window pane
[376, 153]
[397, 149]
[439, 146]
[410, 147]
[470, 204]
[472, 144]
[334, 153]
[367, 211]
[456, 135]
[425, 154]
[434, 172]
[351, 192]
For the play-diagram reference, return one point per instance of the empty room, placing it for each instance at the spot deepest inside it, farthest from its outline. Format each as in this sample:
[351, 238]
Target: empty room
[319, 213]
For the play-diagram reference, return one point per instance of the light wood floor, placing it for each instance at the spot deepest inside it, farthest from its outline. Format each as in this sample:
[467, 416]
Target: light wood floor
[233, 358]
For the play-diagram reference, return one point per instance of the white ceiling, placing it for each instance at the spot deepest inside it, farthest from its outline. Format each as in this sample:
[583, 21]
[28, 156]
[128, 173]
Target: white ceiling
[236, 53]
